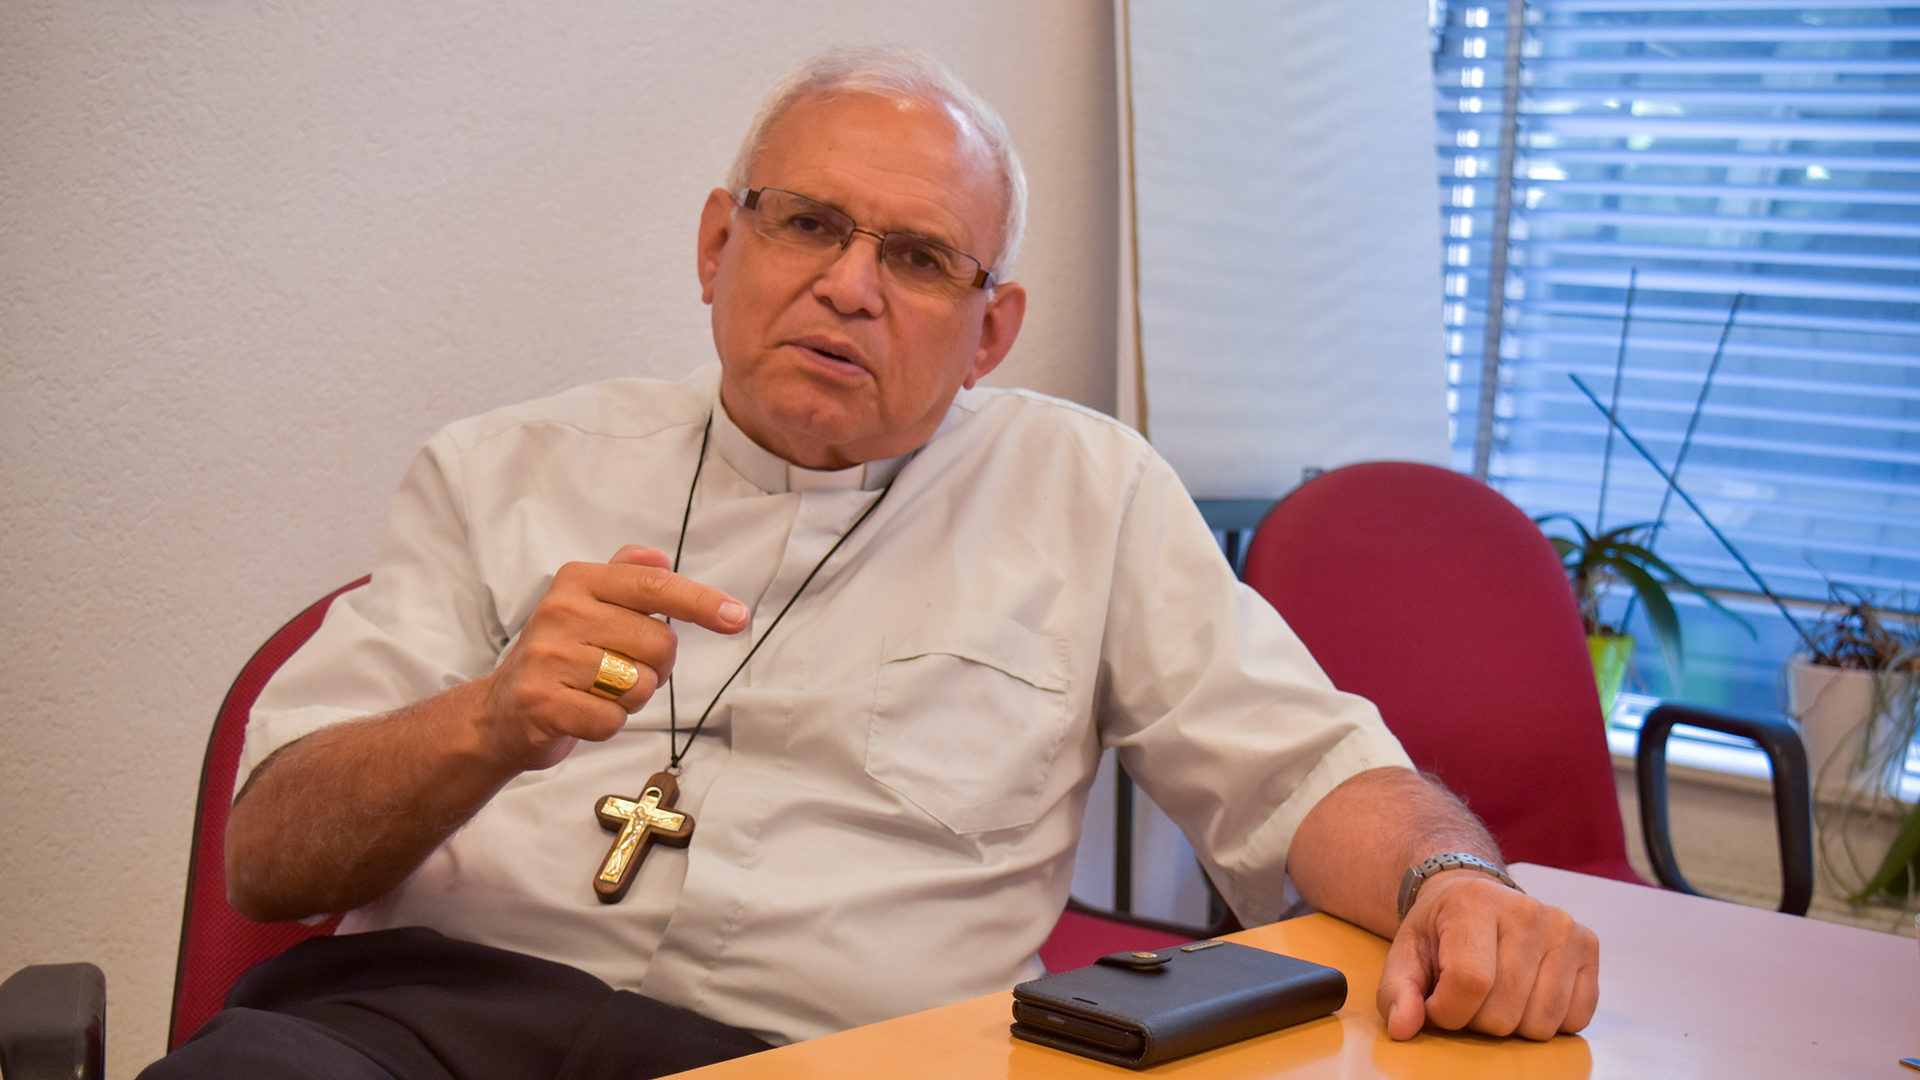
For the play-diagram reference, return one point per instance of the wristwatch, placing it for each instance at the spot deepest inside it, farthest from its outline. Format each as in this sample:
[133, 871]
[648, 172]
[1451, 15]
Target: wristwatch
[1418, 874]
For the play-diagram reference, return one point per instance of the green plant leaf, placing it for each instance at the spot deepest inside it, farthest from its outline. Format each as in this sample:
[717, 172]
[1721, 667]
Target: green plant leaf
[1616, 548]
[1646, 557]
[1617, 554]
[1620, 534]
[1896, 874]
[1660, 613]
[1586, 537]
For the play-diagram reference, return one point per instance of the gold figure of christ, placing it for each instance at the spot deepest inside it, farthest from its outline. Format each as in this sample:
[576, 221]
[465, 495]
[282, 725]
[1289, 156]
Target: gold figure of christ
[640, 822]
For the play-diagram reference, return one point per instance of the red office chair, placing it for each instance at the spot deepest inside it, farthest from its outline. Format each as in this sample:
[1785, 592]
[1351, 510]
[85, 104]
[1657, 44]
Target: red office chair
[217, 943]
[1435, 597]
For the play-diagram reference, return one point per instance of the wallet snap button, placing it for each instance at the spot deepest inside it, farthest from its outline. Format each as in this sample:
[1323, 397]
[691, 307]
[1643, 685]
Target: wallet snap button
[1136, 961]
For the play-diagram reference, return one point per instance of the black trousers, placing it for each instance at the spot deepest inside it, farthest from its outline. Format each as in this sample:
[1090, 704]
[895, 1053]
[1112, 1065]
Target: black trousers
[412, 1004]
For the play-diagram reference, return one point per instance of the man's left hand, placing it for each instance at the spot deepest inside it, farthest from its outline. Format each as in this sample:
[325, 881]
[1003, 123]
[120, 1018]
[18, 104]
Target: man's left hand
[1475, 954]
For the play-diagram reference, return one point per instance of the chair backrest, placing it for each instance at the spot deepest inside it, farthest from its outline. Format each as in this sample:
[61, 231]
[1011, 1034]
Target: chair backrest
[1431, 594]
[217, 943]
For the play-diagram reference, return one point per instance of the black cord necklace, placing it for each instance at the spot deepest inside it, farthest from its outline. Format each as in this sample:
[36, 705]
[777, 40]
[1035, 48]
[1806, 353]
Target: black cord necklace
[679, 749]
[650, 818]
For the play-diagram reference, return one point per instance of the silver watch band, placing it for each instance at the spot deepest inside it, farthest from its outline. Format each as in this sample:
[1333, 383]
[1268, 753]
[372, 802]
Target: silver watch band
[1418, 873]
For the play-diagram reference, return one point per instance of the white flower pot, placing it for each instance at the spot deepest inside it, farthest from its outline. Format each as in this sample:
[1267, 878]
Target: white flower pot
[1835, 709]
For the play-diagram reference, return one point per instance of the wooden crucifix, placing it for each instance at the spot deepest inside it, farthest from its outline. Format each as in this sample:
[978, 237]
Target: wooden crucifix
[640, 822]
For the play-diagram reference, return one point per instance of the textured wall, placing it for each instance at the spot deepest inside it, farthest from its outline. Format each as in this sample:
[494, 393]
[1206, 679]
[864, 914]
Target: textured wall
[251, 254]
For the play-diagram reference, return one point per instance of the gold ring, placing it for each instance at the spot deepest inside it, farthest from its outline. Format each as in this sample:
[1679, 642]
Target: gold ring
[617, 675]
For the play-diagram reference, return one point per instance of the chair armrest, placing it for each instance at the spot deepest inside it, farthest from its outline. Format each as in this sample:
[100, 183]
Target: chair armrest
[1792, 794]
[53, 1020]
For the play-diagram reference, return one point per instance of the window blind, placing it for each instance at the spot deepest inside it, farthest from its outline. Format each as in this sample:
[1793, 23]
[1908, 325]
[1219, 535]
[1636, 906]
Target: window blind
[1673, 158]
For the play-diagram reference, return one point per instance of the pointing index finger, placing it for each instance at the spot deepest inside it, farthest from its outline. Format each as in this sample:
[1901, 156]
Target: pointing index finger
[653, 590]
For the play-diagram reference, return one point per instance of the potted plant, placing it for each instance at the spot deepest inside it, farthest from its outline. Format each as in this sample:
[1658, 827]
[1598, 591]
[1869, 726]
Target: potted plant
[1622, 555]
[1625, 553]
[1855, 692]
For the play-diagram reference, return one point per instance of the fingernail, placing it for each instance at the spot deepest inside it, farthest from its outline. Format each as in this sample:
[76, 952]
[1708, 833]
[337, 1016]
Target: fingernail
[733, 611]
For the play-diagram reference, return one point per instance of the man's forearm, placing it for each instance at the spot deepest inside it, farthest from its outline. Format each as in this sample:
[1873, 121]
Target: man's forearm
[336, 819]
[1349, 854]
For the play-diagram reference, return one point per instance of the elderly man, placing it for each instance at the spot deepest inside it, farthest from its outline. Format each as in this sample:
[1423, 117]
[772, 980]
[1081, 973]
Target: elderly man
[904, 616]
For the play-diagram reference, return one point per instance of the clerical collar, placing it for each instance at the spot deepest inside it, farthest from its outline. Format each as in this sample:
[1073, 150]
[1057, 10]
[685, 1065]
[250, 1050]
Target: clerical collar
[774, 474]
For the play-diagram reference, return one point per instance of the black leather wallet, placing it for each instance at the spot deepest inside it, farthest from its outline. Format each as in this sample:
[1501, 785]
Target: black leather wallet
[1140, 1009]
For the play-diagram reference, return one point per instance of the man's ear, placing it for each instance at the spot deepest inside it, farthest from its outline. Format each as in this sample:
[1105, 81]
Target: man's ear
[999, 325]
[716, 226]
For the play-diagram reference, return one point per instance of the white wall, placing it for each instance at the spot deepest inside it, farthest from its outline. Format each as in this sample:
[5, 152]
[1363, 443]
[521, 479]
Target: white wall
[252, 254]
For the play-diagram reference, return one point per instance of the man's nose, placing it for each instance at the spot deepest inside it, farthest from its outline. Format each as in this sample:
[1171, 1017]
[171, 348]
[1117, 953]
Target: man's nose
[851, 282]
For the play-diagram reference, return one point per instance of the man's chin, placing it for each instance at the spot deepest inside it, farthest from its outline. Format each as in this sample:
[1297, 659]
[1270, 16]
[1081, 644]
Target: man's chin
[814, 434]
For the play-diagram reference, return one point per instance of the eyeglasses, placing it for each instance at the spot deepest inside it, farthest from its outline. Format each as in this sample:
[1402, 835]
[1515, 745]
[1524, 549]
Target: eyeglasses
[920, 264]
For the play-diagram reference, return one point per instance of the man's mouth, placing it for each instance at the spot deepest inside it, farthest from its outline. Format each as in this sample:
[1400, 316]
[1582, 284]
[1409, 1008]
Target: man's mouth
[840, 353]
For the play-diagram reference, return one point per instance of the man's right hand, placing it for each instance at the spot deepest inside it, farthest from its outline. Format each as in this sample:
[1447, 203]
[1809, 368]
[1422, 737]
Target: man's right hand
[539, 698]
[335, 819]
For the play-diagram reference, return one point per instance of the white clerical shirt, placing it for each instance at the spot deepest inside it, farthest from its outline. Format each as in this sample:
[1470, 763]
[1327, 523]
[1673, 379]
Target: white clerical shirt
[887, 799]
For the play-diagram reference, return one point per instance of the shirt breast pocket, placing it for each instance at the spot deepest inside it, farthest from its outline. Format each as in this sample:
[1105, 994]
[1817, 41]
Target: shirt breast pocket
[969, 712]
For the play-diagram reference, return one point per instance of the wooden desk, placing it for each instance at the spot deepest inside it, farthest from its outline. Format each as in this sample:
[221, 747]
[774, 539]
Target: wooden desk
[1688, 988]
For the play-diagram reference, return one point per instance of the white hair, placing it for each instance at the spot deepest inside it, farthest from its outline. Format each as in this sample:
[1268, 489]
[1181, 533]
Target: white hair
[900, 73]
